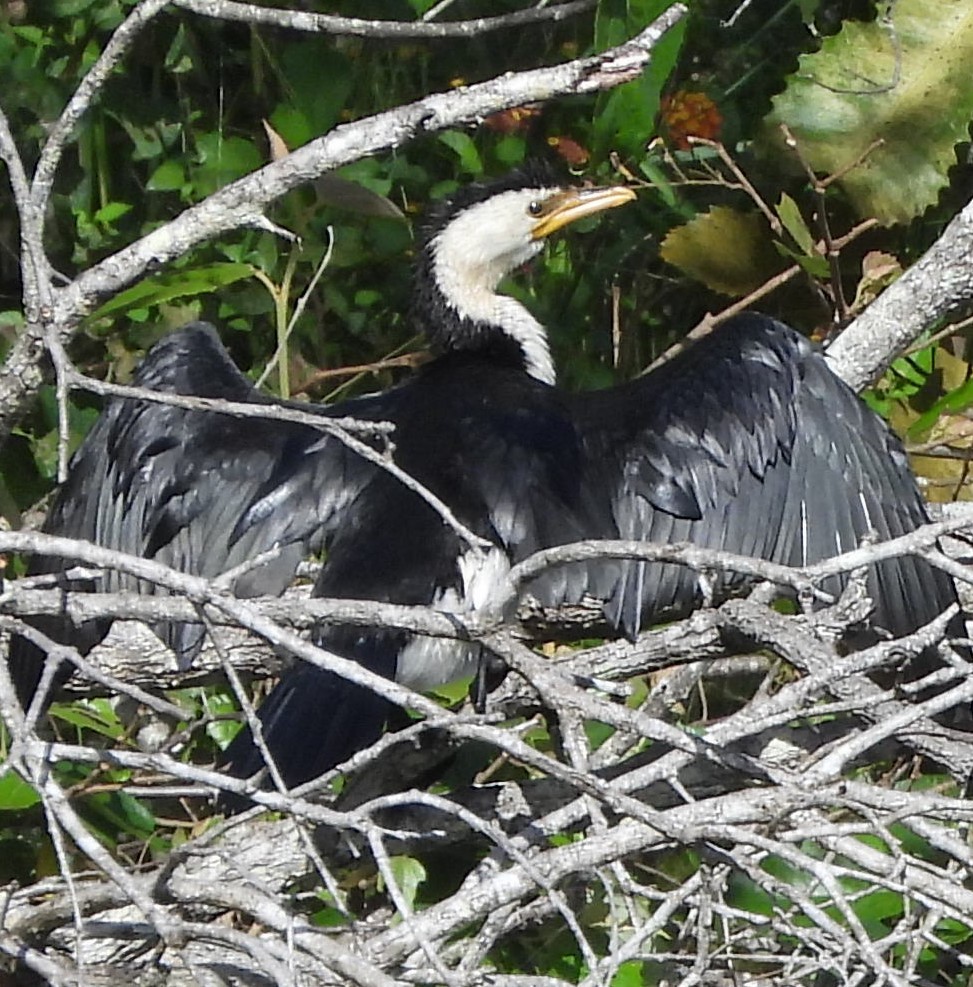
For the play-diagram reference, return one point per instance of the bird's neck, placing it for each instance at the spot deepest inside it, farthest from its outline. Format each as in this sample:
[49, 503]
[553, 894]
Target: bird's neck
[461, 310]
[500, 327]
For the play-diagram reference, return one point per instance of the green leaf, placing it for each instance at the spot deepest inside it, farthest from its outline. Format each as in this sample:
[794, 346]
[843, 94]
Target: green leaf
[461, 144]
[320, 86]
[292, 124]
[93, 714]
[222, 732]
[789, 214]
[408, 874]
[71, 8]
[808, 9]
[878, 906]
[329, 917]
[15, 793]
[44, 451]
[597, 732]
[223, 160]
[12, 319]
[611, 24]
[45, 447]
[169, 176]
[748, 896]
[111, 211]
[510, 149]
[952, 403]
[166, 287]
[814, 264]
[630, 974]
[177, 59]
[625, 119]
[953, 932]
[453, 692]
[903, 380]
[662, 183]
[121, 811]
[906, 83]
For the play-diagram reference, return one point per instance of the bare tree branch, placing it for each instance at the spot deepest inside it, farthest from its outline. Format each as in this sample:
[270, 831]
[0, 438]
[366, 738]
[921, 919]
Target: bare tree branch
[314, 23]
[940, 282]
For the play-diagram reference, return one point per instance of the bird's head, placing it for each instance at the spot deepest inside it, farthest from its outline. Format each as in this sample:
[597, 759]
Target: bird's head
[482, 233]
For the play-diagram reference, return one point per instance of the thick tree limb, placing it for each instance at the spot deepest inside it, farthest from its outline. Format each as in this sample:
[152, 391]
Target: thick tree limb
[938, 283]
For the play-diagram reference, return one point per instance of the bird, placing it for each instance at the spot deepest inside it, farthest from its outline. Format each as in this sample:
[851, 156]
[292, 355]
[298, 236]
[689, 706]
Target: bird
[746, 441]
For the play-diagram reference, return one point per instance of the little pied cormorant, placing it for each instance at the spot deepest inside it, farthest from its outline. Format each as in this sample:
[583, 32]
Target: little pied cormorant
[746, 442]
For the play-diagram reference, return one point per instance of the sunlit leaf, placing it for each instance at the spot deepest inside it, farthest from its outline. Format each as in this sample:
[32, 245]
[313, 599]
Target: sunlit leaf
[112, 211]
[727, 250]
[454, 692]
[15, 793]
[625, 117]
[790, 216]
[953, 402]
[904, 81]
[878, 905]
[96, 714]
[631, 974]
[408, 874]
[954, 932]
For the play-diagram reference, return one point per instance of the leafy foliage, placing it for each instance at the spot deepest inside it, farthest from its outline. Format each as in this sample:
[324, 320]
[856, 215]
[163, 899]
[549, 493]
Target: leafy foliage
[901, 80]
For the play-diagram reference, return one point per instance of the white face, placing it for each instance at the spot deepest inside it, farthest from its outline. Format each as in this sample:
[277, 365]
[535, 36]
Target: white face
[488, 241]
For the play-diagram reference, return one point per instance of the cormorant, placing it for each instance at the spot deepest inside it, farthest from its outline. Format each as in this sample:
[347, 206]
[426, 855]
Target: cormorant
[745, 442]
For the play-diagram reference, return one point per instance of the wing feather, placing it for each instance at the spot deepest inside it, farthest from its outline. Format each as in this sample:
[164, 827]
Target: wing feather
[750, 444]
[199, 491]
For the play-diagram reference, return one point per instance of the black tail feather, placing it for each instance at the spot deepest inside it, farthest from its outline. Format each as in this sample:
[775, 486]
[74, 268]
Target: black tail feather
[314, 719]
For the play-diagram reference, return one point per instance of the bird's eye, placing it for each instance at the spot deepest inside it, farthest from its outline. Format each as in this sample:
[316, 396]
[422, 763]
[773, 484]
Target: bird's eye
[535, 208]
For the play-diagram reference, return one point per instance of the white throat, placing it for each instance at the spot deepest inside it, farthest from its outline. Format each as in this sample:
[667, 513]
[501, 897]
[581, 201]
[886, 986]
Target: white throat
[467, 269]
[520, 325]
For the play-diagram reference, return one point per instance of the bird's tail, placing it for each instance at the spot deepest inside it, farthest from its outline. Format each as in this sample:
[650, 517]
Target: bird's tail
[314, 719]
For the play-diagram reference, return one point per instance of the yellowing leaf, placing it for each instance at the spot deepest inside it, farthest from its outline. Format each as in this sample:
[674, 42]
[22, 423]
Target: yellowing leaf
[727, 250]
[903, 79]
[879, 270]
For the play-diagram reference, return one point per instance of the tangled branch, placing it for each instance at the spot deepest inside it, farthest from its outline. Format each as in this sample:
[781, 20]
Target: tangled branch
[766, 781]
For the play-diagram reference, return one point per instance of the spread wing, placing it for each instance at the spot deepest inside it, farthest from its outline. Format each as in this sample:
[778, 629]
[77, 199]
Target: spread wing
[200, 491]
[748, 442]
